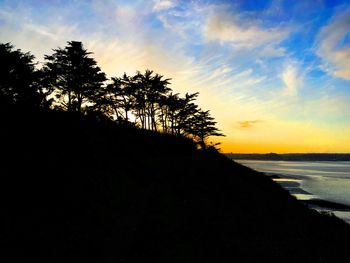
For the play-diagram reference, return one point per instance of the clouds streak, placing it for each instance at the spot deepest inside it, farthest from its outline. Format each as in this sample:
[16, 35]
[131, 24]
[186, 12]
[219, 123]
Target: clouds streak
[248, 124]
[225, 27]
[245, 65]
[332, 46]
[292, 79]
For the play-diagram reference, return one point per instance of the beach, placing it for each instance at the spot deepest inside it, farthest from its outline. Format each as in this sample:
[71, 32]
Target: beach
[323, 186]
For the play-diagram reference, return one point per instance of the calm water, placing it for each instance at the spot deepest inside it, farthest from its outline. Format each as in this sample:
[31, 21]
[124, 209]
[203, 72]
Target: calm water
[324, 180]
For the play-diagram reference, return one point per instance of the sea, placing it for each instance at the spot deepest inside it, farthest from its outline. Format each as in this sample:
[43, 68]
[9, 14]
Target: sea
[328, 181]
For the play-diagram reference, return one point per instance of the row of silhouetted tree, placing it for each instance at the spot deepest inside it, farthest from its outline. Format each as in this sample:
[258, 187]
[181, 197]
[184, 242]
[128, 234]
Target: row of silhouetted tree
[71, 80]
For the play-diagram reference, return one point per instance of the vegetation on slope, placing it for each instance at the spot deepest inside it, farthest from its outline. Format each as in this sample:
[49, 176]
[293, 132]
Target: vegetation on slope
[70, 80]
[77, 189]
[79, 186]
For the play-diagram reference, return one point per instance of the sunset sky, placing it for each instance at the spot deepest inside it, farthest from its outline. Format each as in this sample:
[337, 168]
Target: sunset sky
[274, 74]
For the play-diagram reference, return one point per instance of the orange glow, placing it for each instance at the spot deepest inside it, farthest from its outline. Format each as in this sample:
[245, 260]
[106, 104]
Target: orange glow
[288, 144]
[246, 147]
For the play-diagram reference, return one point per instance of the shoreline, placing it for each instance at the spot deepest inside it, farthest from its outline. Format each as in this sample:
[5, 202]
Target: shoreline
[327, 204]
[292, 185]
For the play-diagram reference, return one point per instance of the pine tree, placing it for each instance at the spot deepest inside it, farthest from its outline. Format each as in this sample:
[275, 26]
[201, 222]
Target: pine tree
[74, 75]
[203, 126]
[19, 79]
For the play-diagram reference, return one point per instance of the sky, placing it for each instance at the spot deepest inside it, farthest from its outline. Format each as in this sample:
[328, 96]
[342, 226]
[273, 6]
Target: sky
[275, 74]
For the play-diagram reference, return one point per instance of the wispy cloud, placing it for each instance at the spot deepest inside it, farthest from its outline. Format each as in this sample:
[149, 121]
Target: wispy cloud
[332, 46]
[19, 29]
[236, 59]
[248, 124]
[160, 5]
[225, 27]
[292, 79]
[272, 50]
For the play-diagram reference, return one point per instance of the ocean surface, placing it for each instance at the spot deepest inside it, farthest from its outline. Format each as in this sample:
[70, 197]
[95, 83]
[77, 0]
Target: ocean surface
[307, 180]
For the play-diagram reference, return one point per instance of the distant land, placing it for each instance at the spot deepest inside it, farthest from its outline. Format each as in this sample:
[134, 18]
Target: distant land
[290, 156]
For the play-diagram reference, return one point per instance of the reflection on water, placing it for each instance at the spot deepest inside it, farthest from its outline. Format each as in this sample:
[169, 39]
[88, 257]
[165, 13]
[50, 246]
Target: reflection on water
[287, 180]
[304, 196]
[305, 180]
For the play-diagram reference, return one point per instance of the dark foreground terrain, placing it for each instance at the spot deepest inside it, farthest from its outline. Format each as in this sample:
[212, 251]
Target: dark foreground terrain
[77, 190]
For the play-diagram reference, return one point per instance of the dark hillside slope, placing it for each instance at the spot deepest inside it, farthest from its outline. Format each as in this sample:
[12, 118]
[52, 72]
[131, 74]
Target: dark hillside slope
[77, 190]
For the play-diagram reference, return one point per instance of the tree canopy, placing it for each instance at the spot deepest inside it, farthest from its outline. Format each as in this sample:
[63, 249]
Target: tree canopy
[19, 78]
[74, 76]
[70, 79]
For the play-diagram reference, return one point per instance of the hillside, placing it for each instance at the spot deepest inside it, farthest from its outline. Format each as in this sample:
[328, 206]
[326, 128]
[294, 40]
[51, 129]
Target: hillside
[76, 189]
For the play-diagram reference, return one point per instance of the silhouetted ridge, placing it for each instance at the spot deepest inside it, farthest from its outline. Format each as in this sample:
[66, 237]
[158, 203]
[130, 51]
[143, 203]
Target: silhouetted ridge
[112, 172]
[79, 189]
[71, 80]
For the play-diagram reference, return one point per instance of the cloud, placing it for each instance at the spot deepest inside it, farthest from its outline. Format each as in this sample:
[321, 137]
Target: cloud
[272, 51]
[160, 5]
[17, 28]
[227, 28]
[332, 47]
[292, 79]
[248, 124]
[238, 81]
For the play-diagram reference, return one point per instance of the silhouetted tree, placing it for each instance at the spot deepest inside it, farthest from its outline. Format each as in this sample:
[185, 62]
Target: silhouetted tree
[19, 79]
[201, 126]
[74, 75]
[164, 112]
[148, 90]
[172, 105]
[120, 97]
[158, 89]
[188, 109]
[101, 106]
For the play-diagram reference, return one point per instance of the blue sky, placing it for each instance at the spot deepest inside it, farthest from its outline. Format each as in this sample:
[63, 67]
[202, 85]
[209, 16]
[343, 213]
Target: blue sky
[275, 74]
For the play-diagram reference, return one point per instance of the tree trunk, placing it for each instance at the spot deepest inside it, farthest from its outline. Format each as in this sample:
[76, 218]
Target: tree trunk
[80, 101]
[69, 101]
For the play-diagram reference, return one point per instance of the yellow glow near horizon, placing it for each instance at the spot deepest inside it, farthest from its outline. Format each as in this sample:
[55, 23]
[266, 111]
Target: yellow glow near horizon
[283, 137]
[263, 93]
